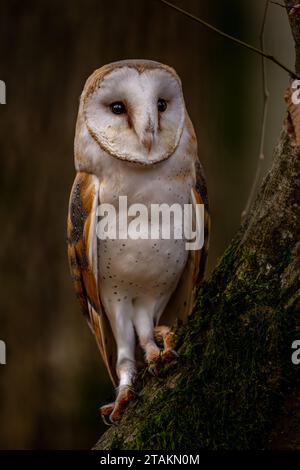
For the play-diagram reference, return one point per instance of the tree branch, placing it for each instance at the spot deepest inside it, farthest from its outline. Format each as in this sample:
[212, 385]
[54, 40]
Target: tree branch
[279, 4]
[270, 57]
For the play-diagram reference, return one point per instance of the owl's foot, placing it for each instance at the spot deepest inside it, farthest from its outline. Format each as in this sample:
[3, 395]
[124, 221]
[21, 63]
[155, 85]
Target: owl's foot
[168, 355]
[113, 412]
[152, 355]
[162, 335]
[124, 396]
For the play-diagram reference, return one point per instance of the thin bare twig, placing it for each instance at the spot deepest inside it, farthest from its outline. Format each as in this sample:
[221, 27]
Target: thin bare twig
[232, 38]
[279, 4]
[266, 94]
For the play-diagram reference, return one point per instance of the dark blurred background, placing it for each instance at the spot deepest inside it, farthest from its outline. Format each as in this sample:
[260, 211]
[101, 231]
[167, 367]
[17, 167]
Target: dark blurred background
[54, 382]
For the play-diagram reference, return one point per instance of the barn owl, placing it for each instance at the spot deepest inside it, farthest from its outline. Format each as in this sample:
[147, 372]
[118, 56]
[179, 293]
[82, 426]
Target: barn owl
[133, 138]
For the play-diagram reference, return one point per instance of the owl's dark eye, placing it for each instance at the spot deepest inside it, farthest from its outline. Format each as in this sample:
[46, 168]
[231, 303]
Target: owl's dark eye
[161, 105]
[118, 107]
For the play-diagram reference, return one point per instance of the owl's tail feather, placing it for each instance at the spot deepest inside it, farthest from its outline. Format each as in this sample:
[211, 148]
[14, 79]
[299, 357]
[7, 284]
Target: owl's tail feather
[102, 331]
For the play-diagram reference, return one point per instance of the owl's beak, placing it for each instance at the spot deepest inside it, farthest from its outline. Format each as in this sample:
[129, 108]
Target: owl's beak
[148, 139]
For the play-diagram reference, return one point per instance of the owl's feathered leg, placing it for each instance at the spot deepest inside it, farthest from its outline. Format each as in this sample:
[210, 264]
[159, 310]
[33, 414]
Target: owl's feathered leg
[126, 368]
[143, 322]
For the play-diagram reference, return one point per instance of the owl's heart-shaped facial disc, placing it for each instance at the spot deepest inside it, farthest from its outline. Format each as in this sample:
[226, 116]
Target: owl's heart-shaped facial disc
[135, 113]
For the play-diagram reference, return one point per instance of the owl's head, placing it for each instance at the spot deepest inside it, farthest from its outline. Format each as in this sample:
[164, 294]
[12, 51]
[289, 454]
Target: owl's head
[133, 110]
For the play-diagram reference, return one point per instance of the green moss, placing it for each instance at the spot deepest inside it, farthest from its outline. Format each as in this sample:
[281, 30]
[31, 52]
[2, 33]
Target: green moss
[116, 443]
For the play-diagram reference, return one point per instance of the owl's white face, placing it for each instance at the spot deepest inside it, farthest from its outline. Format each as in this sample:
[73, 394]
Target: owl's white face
[136, 115]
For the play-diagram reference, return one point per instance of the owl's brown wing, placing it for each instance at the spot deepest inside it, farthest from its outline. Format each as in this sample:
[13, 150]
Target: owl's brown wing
[83, 261]
[182, 301]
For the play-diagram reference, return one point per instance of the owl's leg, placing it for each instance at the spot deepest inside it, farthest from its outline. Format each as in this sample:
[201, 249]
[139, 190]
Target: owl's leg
[126, 368]
[163, 334]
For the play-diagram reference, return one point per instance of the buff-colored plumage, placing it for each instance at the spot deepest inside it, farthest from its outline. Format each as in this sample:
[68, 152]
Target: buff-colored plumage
[124, 287]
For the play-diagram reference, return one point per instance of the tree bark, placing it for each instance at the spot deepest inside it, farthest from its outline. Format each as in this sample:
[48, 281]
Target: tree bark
[235, 384]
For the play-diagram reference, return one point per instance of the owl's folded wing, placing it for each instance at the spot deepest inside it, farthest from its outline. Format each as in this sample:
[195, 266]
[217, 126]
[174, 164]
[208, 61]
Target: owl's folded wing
[182, 301]
[83, 261]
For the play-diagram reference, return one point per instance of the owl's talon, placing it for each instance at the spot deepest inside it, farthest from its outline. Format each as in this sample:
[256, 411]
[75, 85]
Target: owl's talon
[105, 421]
[113, 422]
[170, 355]
[153, 370]
[105, 412]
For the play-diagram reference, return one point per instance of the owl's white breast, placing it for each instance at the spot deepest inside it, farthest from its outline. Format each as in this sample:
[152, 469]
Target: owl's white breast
[132, 268]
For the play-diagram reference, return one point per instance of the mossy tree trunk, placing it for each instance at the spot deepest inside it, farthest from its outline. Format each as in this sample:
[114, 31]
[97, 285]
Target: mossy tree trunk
[235, 377]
